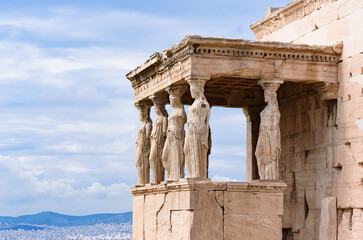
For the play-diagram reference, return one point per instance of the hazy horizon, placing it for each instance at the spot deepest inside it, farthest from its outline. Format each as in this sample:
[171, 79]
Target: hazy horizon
[100, 213]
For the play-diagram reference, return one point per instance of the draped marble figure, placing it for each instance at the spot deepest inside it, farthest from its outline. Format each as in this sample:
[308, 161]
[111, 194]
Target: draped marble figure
[173, 156]
[197, 141]
[143, 145]
[157, 140]
[268, 149]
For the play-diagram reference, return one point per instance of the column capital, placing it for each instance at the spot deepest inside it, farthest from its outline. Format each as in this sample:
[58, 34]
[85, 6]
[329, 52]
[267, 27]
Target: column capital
[197, 77]
[197, 80]
[270, 84]
[178, 90]
[143, 105]
[327, 91]
[252, 113]
[246, 113]
[158, 99]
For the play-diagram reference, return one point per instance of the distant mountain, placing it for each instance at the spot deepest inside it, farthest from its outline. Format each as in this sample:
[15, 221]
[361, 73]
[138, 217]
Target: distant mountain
[60, 220]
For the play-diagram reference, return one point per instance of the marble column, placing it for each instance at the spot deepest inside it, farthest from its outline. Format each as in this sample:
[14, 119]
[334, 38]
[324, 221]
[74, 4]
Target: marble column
[268, 149]
[157, 138]
[173, 155]
[143, 144]
[253, 124]
[197, 141]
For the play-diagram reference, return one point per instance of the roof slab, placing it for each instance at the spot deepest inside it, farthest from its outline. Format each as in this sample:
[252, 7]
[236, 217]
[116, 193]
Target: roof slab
[233, 67]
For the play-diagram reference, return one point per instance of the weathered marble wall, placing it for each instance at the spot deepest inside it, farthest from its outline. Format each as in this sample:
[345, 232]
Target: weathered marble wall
[208, 210]
[307, 159]
[323, 144]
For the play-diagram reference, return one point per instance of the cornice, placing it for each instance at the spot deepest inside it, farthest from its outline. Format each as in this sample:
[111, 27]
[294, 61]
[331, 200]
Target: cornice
[280, 18]
[194, 45]
[152, 61]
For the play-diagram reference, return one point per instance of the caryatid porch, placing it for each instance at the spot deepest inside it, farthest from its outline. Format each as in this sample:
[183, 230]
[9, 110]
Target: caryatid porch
[230, 73]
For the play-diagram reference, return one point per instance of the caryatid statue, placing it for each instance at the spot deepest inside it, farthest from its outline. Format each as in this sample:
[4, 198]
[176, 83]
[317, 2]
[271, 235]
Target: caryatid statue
[143, 144]
[173, 156]
[157, 139]
[268, 149]
[197, 141]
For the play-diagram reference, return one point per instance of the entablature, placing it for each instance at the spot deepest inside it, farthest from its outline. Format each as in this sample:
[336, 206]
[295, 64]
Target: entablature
[233, 65]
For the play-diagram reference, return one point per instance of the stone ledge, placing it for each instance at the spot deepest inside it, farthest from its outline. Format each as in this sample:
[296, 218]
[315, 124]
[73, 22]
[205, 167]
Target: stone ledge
[191, 185]
[288, 14]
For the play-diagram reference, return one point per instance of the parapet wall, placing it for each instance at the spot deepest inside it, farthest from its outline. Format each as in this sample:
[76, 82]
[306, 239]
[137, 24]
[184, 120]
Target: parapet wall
[302, 17]
[208, 210]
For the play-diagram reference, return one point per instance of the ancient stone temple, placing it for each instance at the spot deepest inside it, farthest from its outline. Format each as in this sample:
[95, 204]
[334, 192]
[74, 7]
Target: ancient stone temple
[300, 86]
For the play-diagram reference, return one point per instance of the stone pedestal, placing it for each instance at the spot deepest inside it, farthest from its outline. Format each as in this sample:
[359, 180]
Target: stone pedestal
[208, 210]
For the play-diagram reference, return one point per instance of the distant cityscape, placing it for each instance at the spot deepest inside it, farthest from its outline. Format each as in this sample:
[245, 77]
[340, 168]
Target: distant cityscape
[58, 226]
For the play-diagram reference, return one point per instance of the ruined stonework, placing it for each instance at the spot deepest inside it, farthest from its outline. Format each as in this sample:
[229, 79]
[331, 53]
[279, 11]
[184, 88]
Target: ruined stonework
[208, 210]
[301, 89]
[323, 140]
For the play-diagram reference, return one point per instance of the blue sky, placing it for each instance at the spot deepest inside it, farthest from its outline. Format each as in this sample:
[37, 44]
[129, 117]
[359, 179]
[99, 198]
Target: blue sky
[67, 120]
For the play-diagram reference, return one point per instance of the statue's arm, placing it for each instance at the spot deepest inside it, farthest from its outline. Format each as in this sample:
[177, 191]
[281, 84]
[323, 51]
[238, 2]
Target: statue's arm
[165, 125]
[207, 117]
[183, 115]
[148, 130]
[138, 151]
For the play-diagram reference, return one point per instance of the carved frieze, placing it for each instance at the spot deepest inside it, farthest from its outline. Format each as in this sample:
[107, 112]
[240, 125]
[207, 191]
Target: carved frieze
[217, 57]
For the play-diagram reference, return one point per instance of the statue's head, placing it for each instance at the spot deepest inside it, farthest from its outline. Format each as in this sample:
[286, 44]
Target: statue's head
[196, 91]
[174, 100]
[175, 94]
[196, 87]
[157, 109]
[160, 110]
[270, 87]
[159, 104]
[144, 111]
[142, 115]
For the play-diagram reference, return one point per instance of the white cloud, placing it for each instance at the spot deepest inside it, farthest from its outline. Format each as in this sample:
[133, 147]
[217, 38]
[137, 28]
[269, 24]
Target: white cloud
[47, 66]
[68, 146]
[72, 23]
[72, 167]
[111, 190]
[96, 128]
[22, 186]
[223, 179]
[237, 151]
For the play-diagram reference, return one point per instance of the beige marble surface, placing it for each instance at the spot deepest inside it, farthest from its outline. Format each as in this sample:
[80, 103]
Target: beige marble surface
[192, 209]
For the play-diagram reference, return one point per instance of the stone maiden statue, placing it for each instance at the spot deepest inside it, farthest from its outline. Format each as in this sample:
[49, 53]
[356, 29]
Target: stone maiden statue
[157, 140]
[143, 144]
[197, 141]
[268, 149]
[173, 156]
